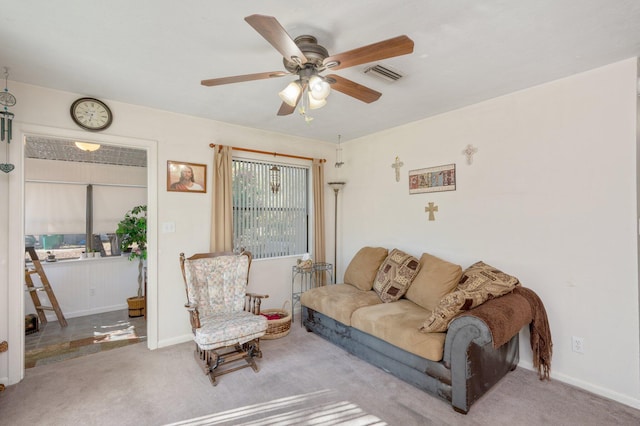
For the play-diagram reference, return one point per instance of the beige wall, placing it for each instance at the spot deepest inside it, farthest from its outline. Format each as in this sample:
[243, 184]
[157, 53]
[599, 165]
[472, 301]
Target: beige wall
[550, 197]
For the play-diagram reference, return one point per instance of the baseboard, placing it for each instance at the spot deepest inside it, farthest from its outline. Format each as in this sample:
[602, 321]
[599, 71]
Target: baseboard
[100, 310]
[589, 387]
[175, 340]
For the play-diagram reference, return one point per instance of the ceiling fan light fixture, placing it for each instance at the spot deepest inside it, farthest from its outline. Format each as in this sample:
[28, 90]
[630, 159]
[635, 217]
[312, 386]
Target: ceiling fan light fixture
[316, 103]
[88, 147]
[291, 93]
[319, 88]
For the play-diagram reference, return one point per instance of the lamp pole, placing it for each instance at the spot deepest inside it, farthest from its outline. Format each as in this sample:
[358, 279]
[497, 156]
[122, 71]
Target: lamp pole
[336, 186]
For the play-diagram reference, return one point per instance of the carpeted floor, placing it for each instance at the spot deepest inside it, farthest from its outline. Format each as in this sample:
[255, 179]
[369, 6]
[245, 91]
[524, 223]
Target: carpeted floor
[303, 380]
[316, 408]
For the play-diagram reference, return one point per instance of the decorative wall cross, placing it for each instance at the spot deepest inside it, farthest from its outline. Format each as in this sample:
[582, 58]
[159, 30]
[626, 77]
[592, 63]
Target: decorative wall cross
[431, 209]
[468, 152]
[397, 166]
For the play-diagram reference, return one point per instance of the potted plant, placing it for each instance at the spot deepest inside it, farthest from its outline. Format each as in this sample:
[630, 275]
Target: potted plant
[132, 233]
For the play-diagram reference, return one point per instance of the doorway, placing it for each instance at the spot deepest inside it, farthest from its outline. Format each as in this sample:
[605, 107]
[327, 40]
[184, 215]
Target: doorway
[16, 236]
[76, 192]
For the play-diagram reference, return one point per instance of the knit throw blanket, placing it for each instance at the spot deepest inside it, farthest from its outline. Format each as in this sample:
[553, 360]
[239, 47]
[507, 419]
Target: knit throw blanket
[506, 315]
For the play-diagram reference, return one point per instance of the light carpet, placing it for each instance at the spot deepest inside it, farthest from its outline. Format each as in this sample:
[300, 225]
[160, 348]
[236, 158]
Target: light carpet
[316, 408]
[299, 374]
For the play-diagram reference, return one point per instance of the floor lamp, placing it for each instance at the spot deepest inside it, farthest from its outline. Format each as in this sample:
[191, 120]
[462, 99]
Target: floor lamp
[336, 186]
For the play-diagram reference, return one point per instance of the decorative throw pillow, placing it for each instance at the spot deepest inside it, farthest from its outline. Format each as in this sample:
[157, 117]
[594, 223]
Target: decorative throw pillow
[478, 283]
[449, 306]
[363, 267]
[485, 282]
[395, 275]
[436, 279]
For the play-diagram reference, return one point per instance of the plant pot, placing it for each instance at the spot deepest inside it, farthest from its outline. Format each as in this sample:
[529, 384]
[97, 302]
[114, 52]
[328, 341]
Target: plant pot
[136, 306]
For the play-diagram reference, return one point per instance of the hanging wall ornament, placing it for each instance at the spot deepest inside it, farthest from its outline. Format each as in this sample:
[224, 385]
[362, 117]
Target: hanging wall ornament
[339, 163]
[6, 121]
[469, 152]
[396, 165]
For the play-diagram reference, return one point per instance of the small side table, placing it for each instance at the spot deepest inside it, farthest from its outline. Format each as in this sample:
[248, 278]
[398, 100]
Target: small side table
[303, 279]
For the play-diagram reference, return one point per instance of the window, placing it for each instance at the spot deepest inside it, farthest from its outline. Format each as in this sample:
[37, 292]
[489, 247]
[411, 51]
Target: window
[58, 214]
[75, 198]
[268, 223]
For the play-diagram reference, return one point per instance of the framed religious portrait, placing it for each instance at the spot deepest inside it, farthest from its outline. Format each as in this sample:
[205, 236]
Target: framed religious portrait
[186, 177]
[433, 179]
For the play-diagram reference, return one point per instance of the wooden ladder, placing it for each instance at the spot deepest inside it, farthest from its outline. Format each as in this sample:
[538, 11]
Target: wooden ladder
[46, 287]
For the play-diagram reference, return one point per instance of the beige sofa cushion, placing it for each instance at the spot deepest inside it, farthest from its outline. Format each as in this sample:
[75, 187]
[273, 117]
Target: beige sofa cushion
[398, 323]
[338, 301]
[479, 283]
[436, 279]
[395, 275]
[364, 266]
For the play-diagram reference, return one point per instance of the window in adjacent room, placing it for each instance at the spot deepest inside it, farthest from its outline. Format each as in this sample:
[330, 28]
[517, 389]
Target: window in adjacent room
[265, 222]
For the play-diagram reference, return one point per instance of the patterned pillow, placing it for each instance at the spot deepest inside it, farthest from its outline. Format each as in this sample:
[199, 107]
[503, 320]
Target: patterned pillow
[449, 306]
[395, 275]
[479, 283]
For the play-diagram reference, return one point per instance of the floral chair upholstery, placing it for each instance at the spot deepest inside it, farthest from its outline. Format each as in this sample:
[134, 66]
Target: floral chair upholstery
[225, 319]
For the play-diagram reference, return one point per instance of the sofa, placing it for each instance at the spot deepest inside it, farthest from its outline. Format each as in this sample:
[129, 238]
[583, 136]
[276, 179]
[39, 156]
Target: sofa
[424, 321]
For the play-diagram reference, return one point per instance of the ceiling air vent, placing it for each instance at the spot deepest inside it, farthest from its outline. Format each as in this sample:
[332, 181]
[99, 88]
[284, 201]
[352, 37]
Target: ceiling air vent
[383, 72]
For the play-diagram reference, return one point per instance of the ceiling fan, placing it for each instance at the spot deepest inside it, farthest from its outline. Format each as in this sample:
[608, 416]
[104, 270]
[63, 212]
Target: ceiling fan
[305, 58]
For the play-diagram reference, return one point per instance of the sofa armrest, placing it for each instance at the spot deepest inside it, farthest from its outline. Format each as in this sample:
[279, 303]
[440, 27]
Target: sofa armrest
[461, 333]
[475, 363]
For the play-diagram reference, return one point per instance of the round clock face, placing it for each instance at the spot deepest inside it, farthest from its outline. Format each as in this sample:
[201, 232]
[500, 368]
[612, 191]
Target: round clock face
[91, 114]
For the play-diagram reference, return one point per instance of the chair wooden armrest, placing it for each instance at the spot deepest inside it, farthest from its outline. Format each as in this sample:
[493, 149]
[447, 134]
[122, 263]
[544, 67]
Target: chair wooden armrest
[253, 302]
[194, 315]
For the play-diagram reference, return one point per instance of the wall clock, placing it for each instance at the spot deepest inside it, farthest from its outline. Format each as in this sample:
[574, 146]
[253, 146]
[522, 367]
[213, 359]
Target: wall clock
[91, 114]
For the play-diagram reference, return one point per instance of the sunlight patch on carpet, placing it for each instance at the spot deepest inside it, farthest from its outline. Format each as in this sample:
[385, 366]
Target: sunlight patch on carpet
[316, 408]
[105, 337]
[119, 334]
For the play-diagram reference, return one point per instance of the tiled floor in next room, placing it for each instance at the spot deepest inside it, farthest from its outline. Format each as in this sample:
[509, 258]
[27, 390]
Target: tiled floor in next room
[116, 323]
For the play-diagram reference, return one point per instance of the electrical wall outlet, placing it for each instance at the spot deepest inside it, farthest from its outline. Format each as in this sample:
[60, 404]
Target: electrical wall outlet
[577, 344]
[92, 292]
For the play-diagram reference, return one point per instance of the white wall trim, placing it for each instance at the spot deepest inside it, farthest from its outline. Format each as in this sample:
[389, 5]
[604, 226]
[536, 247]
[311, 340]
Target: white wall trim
[589, 387]
[175, 340]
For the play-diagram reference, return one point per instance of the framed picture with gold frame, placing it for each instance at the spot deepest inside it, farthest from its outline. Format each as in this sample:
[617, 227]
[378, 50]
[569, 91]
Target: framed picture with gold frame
[186, 177]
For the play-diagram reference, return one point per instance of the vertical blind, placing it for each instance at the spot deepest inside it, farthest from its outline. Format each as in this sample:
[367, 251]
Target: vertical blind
[267, 223]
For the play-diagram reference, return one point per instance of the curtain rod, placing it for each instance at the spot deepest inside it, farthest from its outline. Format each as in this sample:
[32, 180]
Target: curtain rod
[322, 160]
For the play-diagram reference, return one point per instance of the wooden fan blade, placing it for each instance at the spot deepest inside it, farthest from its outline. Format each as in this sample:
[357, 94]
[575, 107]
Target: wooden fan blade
[241, 78]
[269, 28]
[353, 89]
[286, 109]
[396, 46]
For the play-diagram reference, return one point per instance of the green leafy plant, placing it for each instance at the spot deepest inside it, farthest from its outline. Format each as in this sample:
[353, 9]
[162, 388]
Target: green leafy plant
[132, 231]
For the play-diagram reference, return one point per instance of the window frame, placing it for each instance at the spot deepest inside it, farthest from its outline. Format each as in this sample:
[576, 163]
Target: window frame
[290, 162]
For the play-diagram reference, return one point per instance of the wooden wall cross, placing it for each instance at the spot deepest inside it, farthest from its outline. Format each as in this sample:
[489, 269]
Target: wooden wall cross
[431, 209]
[397, 166]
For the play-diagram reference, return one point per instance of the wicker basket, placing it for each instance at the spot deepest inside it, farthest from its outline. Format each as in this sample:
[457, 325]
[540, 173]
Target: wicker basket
[136, 306]
[278, 328]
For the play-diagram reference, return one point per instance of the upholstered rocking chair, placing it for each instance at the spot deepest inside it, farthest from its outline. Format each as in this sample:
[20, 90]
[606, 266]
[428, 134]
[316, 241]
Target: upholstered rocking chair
[225, 319]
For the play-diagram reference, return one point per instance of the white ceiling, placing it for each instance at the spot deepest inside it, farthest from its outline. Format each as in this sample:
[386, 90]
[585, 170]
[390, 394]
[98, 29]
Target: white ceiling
[156, 52]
